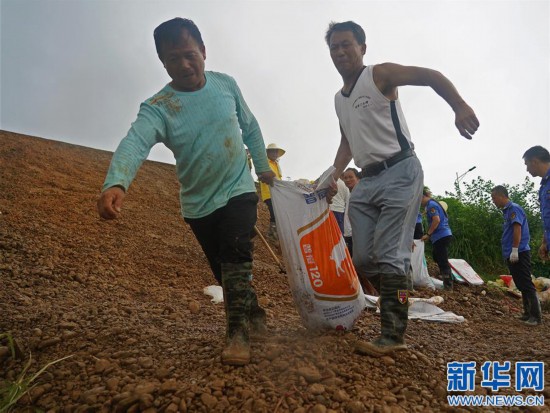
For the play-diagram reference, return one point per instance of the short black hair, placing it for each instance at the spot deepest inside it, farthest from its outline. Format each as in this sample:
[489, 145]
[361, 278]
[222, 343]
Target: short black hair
[169, 33]
[500, 190]
[348, 26]
[426, 192]
[355, 172]
[537, 152]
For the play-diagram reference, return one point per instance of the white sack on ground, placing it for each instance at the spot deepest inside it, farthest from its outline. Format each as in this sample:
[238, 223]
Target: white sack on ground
[438, 284]
[214, 291]
[420, 276]
[465, 271]
[422, 309]
[322, 278]
[371, 301]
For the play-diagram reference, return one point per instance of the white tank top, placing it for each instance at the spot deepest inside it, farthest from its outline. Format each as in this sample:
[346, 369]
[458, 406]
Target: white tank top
[373, 124]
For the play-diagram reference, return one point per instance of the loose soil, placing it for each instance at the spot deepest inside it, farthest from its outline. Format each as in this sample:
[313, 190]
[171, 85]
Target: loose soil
[125, 300]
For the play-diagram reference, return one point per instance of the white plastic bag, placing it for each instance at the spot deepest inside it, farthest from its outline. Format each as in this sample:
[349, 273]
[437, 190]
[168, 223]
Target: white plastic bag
[322, 278]
[216, 292]
[422, 309]
[420, 276]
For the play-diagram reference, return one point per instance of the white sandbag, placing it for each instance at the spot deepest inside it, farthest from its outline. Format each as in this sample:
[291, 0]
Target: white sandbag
[425, 310]
[465, 271]
[438, 284]
[322, 278]
[371, 301]
[422, 309]
[420, 276]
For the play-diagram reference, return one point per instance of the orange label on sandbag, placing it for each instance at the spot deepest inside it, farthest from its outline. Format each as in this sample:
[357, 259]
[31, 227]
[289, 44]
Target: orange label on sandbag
[329, 266]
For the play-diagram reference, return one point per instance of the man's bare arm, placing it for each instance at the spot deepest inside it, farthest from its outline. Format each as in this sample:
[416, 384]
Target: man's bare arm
[389, 76]
[343, 156]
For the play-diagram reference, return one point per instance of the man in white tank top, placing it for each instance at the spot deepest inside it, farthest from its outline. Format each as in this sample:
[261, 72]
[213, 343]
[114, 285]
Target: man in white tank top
[384, 204]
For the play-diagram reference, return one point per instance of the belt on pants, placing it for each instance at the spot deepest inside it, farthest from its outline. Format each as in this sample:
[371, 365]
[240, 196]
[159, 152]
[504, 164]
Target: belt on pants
[375, 168]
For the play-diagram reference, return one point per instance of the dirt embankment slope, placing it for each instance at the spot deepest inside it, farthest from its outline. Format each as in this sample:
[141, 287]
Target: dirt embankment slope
[125, 300]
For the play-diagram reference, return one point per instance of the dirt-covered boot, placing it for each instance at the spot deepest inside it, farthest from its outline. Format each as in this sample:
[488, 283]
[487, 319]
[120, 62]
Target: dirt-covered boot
[447, 281]
[236, 351]
[272, 234]
[526, 311]
[237, 298]
[535, 313]
[394, 313]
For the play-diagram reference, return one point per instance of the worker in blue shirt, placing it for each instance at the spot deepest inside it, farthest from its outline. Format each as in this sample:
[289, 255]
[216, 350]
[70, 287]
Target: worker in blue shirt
[516, 252]
[537, 161]
[440, 235]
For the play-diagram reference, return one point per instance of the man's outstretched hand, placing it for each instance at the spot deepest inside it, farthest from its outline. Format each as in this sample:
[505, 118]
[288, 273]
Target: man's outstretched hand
[109, 203]
[466, 120]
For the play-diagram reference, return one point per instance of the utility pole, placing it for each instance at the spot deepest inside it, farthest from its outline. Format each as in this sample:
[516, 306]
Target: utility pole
[458, 179]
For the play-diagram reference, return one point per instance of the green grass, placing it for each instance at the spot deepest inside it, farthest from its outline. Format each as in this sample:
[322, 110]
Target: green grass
[12, 391]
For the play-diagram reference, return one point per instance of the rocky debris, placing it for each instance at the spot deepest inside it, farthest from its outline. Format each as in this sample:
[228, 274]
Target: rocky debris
[124, 298]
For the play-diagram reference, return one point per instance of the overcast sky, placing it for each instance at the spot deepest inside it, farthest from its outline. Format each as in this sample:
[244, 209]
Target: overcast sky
[77, 70]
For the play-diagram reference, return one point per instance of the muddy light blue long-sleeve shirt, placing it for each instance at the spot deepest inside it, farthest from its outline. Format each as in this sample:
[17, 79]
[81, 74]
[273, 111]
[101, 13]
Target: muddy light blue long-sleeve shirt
[205, 130]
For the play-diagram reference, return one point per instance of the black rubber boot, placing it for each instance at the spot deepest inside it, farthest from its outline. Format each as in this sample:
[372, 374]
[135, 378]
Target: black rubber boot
[526, 311]
[447, 281]
[394, 315]
[535, 313]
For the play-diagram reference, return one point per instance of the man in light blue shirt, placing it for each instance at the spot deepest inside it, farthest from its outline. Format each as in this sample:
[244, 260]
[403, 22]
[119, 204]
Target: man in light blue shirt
[517, 253]
[203, 118]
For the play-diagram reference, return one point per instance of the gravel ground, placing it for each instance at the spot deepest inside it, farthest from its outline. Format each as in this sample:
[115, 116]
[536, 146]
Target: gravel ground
[124, 299]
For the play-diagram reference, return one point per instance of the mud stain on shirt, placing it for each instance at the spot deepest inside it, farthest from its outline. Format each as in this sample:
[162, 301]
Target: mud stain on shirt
[168, 101]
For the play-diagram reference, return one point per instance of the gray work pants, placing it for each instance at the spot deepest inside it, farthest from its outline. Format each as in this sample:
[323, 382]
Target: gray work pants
[383, 210]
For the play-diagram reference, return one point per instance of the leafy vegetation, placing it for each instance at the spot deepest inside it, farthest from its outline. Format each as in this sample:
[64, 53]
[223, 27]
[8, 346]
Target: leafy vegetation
[477, 226]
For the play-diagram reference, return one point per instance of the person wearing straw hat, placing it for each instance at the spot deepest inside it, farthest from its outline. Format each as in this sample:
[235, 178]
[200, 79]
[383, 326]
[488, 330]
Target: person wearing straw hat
[273, 155]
